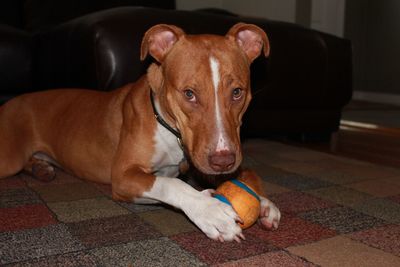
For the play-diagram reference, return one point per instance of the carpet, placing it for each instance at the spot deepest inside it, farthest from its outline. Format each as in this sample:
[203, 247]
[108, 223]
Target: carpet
[335, 212]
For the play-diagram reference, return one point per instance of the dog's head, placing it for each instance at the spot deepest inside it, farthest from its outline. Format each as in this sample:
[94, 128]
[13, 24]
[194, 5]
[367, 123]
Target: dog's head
[202, 85]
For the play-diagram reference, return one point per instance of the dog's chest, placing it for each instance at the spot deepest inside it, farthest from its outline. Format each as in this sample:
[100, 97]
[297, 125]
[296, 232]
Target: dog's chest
[168, 153]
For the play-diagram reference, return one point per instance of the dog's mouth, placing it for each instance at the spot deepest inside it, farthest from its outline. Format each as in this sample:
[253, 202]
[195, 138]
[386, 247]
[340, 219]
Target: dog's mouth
[209, 180]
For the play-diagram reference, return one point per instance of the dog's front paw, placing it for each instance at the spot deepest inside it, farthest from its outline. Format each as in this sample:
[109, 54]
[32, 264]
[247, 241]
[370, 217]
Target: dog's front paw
[269, 215]
[215, 218]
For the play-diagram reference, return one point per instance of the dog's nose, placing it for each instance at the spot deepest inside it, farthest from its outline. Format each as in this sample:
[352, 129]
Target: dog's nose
[222, 161]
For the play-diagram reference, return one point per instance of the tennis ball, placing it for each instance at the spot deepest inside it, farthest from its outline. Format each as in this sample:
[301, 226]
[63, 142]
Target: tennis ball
[243, 200]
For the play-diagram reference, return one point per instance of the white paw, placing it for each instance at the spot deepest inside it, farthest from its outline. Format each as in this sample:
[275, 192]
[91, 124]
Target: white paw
[215, 218]
[269, 215]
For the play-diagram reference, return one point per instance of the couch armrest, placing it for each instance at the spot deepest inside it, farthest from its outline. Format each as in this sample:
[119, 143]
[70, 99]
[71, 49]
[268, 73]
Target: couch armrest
[339, 70]
[307, 69]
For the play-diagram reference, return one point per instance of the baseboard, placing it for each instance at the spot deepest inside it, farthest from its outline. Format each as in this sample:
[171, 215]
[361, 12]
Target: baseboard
[383, 98]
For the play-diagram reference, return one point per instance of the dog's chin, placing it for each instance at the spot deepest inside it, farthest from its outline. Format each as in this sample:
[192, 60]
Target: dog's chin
[210, 171]
[208, 178]
[216, 179]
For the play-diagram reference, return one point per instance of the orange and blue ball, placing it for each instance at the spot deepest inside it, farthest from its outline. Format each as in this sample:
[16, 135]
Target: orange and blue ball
[243, 200]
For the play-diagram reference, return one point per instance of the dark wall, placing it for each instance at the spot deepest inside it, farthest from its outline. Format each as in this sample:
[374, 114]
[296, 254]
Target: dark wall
[374, 28]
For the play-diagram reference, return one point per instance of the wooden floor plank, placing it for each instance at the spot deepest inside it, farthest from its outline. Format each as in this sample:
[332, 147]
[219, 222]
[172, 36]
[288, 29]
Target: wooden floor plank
[380, 145]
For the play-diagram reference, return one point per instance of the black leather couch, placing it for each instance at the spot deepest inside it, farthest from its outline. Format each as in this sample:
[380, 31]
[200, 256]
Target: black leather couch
[299, 90]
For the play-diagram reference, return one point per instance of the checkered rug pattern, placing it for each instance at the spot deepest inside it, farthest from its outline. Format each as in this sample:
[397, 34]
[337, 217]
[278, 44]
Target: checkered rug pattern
[335, 212]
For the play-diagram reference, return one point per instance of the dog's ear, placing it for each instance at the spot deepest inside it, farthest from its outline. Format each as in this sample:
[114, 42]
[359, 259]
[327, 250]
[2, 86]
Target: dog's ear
[159, 40]
[251, 39]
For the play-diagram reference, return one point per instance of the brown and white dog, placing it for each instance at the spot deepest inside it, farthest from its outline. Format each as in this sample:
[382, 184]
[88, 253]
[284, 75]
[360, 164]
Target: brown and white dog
[199, 89]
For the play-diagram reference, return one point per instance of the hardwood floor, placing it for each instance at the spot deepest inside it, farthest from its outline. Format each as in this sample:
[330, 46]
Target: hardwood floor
[367, 141]
[374, 144]
[380, 145]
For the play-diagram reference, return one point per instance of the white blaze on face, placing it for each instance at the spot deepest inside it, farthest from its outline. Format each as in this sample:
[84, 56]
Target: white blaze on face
[222, 144]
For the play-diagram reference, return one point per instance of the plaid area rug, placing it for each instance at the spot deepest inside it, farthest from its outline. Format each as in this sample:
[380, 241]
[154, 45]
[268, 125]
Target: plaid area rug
[336, 212]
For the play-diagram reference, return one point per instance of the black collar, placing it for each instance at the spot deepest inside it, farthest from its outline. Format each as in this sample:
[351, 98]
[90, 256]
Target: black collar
[162, 121]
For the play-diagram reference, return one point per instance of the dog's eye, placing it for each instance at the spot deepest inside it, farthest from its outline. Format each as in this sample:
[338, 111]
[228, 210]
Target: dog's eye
[237, 93]
[189, 94]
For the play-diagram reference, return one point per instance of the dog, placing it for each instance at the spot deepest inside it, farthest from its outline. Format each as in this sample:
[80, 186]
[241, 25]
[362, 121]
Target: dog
[188, 107]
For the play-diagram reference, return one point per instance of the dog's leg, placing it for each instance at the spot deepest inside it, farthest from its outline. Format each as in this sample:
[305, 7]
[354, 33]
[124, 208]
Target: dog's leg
[269, 214]
[11, 162]
[216, 219]
[40, 169]
[14, 142]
